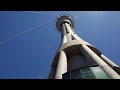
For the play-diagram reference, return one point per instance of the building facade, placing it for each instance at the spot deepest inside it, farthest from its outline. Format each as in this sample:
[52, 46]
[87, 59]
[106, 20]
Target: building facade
[78, 59]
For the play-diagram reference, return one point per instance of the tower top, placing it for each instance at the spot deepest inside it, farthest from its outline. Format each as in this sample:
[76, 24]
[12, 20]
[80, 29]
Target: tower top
[64, 18]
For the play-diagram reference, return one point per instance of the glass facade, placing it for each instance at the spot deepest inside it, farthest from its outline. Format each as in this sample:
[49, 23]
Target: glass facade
[86, 73]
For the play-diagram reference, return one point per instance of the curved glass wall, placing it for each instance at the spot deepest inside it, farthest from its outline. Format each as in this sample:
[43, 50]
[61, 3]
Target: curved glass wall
[86, 73]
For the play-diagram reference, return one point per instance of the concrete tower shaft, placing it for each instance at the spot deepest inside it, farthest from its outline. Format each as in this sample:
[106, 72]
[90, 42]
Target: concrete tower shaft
[75, 54]
[65, 26]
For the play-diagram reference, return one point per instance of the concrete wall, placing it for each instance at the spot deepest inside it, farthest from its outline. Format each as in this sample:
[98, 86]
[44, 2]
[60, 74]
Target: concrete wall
[77, 61]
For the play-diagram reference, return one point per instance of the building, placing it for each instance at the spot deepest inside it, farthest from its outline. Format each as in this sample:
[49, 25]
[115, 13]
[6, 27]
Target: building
[77, 59]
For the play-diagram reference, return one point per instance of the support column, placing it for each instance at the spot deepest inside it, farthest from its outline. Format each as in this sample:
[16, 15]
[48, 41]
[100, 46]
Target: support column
[71, 31]
[90, 55]
[108, 61]
[61, 66]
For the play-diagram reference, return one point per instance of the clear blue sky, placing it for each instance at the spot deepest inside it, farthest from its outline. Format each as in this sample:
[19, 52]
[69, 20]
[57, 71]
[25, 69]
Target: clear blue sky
[29, 40]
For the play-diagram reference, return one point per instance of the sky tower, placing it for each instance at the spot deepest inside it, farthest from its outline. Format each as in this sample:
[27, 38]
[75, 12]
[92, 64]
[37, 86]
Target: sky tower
[76, 58]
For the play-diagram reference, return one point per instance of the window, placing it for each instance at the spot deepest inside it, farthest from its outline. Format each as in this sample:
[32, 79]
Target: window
[86, 73]
[67, 31]
[76, 74]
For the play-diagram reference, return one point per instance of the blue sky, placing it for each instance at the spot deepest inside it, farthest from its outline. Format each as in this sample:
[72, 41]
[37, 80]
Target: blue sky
[29, 40]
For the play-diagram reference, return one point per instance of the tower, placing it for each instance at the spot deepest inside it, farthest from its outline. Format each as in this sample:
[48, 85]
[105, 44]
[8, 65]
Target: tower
[77, 59]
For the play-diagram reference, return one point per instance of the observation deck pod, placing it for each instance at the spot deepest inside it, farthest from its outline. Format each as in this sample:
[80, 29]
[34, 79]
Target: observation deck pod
[63, 18]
